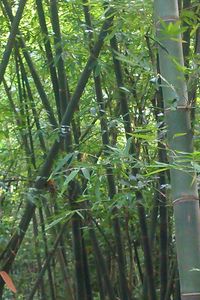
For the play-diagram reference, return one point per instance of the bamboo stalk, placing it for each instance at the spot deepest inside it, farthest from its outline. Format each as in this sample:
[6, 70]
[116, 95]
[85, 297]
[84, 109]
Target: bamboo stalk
[61, 249]
[46, 264]
[87, 277]
[186, 35]
[162, 200]
[49, 55]
[33, 107]
[11, 39]
[46, 250]
[77, 242]
[183, 178]
[64, 94]
[101, 265]
[39, 262]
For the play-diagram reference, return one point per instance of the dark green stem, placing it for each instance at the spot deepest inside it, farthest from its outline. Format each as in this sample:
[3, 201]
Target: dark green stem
[11, 39]
[49, 54]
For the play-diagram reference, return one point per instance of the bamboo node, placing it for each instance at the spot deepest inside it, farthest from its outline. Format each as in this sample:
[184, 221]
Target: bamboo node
[190, 296]
[178, 107]
[186, 198]
[168, 19]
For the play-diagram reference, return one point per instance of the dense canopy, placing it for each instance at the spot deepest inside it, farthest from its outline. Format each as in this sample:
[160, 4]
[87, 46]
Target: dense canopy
[99, 148]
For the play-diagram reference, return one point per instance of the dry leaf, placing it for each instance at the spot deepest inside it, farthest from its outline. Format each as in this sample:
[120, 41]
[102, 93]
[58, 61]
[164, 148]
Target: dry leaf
[8, 281]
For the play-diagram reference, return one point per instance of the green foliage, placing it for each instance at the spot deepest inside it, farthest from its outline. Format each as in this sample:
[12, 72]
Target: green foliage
[85, 161]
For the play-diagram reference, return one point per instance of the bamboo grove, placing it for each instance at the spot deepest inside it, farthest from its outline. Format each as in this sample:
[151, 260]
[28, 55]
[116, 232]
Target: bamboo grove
[99, 149]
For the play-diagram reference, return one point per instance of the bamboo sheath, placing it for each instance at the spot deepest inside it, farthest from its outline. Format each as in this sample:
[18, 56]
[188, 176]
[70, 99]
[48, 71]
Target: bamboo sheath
[183, 178]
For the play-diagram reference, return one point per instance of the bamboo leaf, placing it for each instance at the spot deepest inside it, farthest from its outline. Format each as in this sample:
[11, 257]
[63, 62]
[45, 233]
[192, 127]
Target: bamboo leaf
[156, 171]
[86, 173]
[66, 160]
[69, 178]
[128, 145]
[66, 217]
[125, 89]
[179, 134]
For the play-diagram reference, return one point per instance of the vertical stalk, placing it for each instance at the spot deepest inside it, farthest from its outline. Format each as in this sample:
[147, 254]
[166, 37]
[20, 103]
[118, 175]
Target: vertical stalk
[50, 276]
[162, 200]
[170, 282]
[101, 265]
[33, 107]
[49, 54]
[61, 251]
[35, 231]
[77, 242]
[46, 264]
[183, 178]
[163, 227]
[186, 35]
[100, 282]
[88, 287]
[62, 79]
[64, 94]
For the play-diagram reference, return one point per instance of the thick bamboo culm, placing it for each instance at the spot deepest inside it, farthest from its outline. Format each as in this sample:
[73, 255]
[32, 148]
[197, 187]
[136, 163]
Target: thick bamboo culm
[177, 117]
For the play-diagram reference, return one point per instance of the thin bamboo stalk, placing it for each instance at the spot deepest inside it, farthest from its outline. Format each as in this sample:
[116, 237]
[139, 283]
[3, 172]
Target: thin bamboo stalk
[33, 107]
[64, 94]
[11, 38]
[49, 54]
[39, 262]
[101, 265]
[162, 199]
[46, 264]
[46, 249]
[61, 252]
[186, 35]
[87, 277]
[18, 119]
[170, 282]
[74, 191]
[27, 117]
